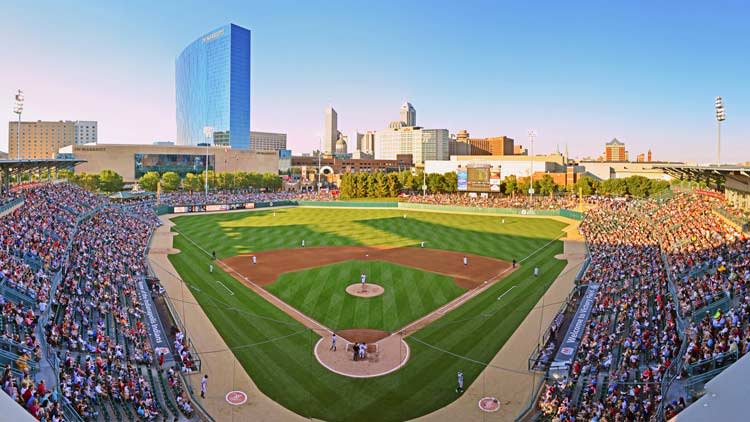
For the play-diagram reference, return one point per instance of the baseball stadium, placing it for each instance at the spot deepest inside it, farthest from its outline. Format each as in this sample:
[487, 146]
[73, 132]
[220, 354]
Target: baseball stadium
[281, 306]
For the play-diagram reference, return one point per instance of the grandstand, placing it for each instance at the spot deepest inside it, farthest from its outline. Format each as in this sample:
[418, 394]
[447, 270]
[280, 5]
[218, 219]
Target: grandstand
[657, 327]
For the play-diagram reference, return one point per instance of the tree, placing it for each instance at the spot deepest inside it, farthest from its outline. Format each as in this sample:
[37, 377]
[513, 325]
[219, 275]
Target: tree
[192, 183]
[434, 182]
[271, 182]
[394, 186]
[362, 186]
[345, 186]
[149, 181]
[109, 181]
[170, 181]
[614, 187]
[88, 181]
[547, 185]
[66, 174]
[511, 184]
[450, 182]
[372, 186]
[584, 185]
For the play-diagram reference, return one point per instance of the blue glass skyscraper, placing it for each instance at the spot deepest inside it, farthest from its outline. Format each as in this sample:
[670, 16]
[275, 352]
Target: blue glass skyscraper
[212, 78]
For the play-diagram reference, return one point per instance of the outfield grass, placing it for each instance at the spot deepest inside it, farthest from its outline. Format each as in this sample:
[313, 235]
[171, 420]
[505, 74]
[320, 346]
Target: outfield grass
[285, 368]
[409, 294]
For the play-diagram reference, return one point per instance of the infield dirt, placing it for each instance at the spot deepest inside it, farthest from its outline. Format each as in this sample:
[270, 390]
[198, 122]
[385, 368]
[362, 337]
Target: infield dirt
[271, 264]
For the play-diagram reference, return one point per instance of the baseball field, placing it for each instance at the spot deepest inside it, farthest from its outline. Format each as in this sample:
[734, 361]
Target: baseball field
[275, 346]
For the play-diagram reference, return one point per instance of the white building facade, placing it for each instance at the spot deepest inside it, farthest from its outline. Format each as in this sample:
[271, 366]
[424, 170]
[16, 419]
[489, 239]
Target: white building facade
[267, 141]
[331, 133]
[86, 132]
[422, 144]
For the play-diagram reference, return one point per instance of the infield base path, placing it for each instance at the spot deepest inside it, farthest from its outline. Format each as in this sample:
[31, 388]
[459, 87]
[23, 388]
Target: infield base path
[271, 264]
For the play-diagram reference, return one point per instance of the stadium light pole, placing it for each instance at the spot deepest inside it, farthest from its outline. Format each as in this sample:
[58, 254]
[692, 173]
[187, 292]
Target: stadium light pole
[320, 154]
[208, 131]
[720, 117]
[18, 109]
[532, 136]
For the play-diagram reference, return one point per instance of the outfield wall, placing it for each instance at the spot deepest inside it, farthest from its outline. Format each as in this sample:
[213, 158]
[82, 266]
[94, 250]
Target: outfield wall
[575, 215]
[348, 204]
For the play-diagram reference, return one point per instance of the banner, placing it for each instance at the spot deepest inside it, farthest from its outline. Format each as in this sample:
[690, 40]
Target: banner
[569, 344]
[463, 180]
[159, 339]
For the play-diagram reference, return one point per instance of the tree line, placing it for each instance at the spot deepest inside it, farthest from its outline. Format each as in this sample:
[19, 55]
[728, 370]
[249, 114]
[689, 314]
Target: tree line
[389, 185]
[240, 180]
[109, 181]
[384, 185]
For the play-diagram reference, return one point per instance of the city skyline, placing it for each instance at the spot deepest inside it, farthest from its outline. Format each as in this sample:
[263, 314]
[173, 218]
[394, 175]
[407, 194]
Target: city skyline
[580, 75]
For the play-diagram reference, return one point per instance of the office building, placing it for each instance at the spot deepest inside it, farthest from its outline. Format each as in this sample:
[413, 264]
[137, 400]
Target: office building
[464, 144]
[368, 142]
[267, 141]
[615, 151]
[212, 80]
[358, 137]
[86, 132]
[422, 144]
[408, 114]
[39, 139]
[331, 132]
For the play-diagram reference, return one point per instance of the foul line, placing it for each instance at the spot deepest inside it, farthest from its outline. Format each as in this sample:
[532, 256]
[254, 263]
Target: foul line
[506, 292]
[224, 286]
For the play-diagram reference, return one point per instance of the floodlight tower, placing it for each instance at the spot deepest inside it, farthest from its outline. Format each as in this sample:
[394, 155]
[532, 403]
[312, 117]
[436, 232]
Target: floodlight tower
[18, 109]
[208, 132]
[720, 117]
[532, 136]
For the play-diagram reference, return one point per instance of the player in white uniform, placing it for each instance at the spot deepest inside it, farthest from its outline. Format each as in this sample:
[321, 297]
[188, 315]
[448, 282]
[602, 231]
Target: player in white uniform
[460, 379]
[466, 260]
[255, 259]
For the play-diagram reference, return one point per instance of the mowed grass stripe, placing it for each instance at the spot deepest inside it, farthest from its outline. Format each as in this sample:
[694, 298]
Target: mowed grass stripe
[404, 299]
[286, 369]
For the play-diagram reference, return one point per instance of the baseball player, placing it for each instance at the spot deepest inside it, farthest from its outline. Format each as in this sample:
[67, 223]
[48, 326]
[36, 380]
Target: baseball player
[254, 259]
[536, 271]
[466, 260]
[210, 268]
[204, 384]
[303, 243]
[421, 244]
[460, 387]
[363, 279]
[333, 342]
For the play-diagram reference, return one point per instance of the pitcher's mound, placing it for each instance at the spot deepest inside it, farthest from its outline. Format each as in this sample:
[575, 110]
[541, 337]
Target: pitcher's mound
[366, 290]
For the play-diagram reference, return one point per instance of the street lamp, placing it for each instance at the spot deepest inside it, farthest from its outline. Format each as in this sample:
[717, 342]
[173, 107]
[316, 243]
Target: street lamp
[532, 136]
[208, 132]
[720, 117]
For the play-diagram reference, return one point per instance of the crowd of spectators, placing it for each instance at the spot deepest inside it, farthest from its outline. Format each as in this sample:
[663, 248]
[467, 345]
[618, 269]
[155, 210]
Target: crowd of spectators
[222, 197]
[95, 318]
[493, 201]
[631, 337]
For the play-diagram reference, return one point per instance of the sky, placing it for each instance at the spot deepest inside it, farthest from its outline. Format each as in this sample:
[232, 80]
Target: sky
[579, 73]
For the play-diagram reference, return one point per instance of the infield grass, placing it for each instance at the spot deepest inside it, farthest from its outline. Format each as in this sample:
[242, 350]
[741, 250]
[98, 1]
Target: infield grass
[277, 351]
[321, 294]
